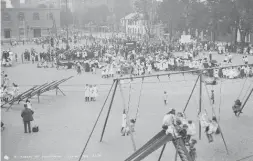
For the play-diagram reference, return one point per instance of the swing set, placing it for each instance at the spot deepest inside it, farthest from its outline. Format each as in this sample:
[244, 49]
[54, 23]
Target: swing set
[153, 143]
[238, 106]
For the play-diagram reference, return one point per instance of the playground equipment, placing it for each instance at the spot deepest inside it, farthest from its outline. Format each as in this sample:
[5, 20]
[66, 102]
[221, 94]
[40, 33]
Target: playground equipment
[37, 91]
[161, 138]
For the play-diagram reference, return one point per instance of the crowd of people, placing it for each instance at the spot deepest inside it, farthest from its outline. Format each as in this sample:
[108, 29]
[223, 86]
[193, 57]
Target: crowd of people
[8, 91]
[115, 57]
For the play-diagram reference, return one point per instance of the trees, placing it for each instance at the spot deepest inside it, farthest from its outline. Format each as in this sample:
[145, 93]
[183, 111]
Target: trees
[242, 16]
[122, 7]
[147, 12]
[175, 14]
[220, 17]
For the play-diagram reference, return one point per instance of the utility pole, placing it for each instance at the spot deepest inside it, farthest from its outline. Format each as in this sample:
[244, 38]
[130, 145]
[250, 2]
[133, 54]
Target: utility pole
[67, 25]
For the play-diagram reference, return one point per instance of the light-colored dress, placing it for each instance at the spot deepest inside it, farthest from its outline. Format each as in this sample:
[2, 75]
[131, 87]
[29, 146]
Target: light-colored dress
[87, 92]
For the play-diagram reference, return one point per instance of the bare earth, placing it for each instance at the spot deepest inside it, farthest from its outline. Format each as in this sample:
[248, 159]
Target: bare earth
[65, 122]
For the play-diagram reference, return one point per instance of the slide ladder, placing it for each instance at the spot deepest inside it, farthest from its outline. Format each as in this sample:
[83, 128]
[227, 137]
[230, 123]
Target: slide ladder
[182, 150]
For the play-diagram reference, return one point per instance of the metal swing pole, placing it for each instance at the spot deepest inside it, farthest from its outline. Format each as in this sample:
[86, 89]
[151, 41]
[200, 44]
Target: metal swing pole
[86, 144]
[161, 154]
[200, 100]
[116, 81]
[191, 94]
[223, 139]
[245, 101]
[139, 101]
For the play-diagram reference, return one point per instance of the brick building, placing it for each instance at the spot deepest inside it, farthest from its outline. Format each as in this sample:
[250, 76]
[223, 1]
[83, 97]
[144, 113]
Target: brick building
[22, 23]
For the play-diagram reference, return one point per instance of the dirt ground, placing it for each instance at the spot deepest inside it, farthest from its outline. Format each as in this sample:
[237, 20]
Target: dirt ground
[65, 122]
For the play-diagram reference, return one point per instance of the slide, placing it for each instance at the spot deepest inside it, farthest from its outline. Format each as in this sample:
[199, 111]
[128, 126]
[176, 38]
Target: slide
[146, 146]
[154, 147]
[182, 150]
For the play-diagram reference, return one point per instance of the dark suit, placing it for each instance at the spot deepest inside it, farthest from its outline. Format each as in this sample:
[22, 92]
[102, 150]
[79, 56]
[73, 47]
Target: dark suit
[27, 115]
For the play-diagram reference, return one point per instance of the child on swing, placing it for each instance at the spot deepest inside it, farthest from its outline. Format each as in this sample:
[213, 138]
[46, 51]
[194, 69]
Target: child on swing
[123, 127]
[237, 107]
[126, 129]
[211, 126]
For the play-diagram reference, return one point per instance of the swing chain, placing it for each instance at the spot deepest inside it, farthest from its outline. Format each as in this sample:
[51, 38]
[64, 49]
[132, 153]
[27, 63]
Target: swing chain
[139, 101]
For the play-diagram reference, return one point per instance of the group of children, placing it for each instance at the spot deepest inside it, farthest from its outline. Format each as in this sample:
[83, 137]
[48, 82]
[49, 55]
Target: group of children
[108, 71]
[179, 127]
[211, 126]
[90, 93]
[127, 127]
[8, 92]
[176, 125]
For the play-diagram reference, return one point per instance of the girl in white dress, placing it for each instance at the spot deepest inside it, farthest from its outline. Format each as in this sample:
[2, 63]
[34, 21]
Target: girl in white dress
[87, 93]
[91, 93]
[95, 92]
[111, 71]
[149, 69]
[103, 72]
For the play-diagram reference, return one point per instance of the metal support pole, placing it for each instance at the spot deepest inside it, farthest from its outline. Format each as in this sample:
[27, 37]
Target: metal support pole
[191, 94]
[176, 156]
[87, 142]
[200, 100]
[38, 97]
[161, 154]
[178, 72]
[109, 110]
[245, 101]
[57, 88]
[223, 140]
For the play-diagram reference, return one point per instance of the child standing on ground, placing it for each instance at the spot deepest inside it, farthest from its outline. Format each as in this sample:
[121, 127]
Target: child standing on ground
[165, 97]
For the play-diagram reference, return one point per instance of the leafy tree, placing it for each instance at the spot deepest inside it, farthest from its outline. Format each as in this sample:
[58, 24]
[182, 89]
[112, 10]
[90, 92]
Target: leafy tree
[242, 16]
[171, 12]
[146, 10]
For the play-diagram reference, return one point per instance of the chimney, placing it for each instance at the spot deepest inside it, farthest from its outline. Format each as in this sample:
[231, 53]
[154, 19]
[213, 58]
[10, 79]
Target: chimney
[3, 4]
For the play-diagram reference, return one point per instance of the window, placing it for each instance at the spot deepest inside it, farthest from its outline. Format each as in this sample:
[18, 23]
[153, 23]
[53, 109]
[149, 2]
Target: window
[7, 33]
[36, 16]
[37, 32]
[21, 16]
[6, 17]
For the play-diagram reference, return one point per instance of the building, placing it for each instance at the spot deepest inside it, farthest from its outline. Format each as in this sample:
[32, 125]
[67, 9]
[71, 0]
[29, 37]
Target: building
[37, 3]
[132, 25]
[23, 23]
